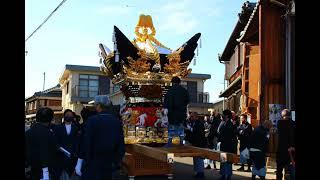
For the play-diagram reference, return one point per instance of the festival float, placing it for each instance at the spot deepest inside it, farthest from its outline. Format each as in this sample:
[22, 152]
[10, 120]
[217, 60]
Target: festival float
[143, 68]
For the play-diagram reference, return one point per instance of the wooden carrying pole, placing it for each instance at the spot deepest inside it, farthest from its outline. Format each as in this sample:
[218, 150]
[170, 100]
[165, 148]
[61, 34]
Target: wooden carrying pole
[151, 152]
[167, 154]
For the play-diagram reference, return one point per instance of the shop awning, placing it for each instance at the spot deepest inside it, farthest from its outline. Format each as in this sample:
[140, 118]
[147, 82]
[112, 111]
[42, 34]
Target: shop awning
[232, 88]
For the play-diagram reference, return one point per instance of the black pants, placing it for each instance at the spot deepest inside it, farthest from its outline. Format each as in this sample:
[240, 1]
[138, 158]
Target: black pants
[36, 174]
[98, 170]
[280, 167]
[283, 161]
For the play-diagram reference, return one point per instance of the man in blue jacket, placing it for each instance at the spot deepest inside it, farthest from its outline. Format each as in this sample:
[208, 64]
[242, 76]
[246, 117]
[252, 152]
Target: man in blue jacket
[103, 141]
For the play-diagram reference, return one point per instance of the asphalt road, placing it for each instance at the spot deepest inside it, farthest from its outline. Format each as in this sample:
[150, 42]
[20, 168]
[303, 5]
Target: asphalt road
[183, 169]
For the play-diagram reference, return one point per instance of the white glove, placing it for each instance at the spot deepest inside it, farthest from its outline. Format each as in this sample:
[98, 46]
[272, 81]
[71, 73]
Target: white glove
[45, 173]
[78, 167]
[165, 111]
[67, 153]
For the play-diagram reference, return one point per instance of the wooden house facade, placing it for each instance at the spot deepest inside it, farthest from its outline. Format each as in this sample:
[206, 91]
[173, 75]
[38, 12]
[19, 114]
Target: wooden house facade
[264, 51]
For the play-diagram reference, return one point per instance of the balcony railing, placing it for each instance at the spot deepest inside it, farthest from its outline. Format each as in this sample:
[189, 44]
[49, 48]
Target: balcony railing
[85, 91]
[199, 97]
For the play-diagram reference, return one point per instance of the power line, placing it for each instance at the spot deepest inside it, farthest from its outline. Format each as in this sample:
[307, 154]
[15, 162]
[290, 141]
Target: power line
[63, 1]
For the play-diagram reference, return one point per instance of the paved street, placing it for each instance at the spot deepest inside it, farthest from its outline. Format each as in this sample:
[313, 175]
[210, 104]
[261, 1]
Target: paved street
[183, 169]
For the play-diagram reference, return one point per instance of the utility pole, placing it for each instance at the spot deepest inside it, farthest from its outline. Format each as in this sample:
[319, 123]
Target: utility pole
[44, 79]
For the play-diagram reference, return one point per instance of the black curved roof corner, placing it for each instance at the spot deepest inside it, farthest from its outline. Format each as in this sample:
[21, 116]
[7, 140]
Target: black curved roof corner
[189, 47]
[124, 46]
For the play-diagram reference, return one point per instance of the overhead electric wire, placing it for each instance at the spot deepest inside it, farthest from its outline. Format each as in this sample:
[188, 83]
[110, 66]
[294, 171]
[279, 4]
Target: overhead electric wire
[63, 1]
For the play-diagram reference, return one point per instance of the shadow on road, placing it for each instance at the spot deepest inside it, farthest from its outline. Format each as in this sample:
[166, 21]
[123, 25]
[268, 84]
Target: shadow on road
[185, 172]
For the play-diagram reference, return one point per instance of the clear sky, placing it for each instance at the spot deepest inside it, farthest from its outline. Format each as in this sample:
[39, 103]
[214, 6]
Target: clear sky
[72, 34]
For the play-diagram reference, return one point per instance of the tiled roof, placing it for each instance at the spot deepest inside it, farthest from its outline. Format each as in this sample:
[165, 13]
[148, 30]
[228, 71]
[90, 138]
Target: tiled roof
[51, 92]
[243, 32]
[244, 16]
[82, 68]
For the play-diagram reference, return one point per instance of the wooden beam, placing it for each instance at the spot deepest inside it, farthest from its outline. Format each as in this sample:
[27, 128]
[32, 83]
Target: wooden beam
[167, 154]
[152, 152]
[215, 155]
[191, 151]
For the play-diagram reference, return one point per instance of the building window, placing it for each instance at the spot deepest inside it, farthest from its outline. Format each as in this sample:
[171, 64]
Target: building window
[30, 106]
[246, 88]
[88, 85]
[192, 89]
[184, 84]
[42, 102]
[247, 62]
[116, 88]
[247, 74]
[54, 103]
[67, 87]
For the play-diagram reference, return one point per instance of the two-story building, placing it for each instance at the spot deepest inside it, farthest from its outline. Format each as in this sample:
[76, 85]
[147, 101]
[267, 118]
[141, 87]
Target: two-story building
[259, 60]
[79, 85]
[48, 98]
[232, 57]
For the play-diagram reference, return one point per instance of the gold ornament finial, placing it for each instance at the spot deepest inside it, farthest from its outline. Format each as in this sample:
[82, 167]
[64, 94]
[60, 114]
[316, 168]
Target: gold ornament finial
[142, 31]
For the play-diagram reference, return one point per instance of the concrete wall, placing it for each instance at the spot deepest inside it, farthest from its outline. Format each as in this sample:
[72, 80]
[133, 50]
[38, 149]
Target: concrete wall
[199, 110]
[218, 107]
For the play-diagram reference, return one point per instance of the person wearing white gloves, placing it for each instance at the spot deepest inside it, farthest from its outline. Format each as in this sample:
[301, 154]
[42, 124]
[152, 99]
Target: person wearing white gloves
[68, 139]
[41, 147]
[85, 114]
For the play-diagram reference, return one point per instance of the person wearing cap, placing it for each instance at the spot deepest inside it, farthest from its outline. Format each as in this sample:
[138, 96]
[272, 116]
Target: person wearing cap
[175, 105]
[41, 147]
[103, 141]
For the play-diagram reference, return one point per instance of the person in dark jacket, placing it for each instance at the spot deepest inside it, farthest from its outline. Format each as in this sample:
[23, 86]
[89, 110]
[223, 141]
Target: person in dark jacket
[41, 147]
[175, 104]
[76, 120]
[236, 122]
[285, 142]
[227, 134]
[207, 127]
[68, 138]
[215, 120]
[244, 133]
[80, 167]
[187, 128]
[198, 139]
[103, 141]
[258, 146]
[235, 119]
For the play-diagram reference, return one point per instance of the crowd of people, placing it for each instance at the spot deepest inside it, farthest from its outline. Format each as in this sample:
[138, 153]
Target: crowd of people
[94, 149]
[225, 132]
[228, 134]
